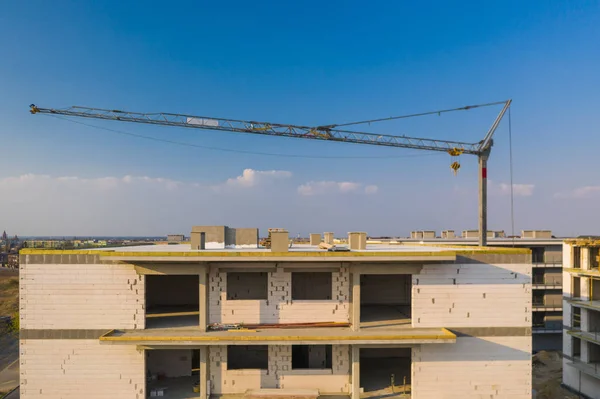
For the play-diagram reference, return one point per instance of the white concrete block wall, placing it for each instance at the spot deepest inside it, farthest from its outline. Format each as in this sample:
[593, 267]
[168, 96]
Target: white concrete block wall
[81, 296]
[279, 373]
[65, 369]
[484, 367]
[472, 295]
[279, 307]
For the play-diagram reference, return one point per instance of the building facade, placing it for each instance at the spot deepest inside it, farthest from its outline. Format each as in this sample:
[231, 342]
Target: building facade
[581, 317]
[546, 288]
[434, 322]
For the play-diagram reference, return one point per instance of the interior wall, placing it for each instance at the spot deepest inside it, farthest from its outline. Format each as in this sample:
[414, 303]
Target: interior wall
[170, 362]
[311, 357]
[311, 286]
[279, 307]
[553, 254]
[392, 289]
[595, 294]
[553, 299]
[247, 285]
[593, 352]
[377, 365]
[593, 321]
[172, 290]
[244, 357]
[279, 374]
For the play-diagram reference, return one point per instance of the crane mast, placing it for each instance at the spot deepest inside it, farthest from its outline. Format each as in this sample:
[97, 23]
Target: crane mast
[325, 133]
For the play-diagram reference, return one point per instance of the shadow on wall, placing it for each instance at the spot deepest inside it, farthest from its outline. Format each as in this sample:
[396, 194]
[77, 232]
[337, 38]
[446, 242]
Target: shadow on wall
[478, 349]
[498, 267]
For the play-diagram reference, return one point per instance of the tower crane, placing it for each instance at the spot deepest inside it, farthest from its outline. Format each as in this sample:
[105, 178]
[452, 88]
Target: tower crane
[480, 149]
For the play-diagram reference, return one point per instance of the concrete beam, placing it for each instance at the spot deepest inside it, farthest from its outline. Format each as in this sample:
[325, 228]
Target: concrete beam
[392, 268]
[169, 268]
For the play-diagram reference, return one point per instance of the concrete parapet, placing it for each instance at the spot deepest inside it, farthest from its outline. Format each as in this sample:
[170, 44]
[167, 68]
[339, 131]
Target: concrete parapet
[357, 240]
[216, 236]
[315, 238]
[280, 241]
[328, 238]
[246, 237]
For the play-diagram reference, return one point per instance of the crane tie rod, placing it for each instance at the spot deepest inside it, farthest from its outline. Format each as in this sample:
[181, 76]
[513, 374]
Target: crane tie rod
[390, 118]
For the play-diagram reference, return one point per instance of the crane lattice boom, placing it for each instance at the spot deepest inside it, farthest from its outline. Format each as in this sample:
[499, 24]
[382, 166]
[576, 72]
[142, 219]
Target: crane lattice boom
[327, 133]
[265, 128]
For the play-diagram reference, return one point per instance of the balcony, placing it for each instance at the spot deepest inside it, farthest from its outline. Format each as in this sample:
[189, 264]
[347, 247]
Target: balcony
[542, 329]
[548, 305]
[382, 335]
[592, 369]
[544, 265]
[585, 303]
[590, 336]
[545, 284]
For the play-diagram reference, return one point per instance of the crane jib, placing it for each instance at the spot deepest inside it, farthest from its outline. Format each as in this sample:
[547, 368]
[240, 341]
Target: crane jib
[326, 133]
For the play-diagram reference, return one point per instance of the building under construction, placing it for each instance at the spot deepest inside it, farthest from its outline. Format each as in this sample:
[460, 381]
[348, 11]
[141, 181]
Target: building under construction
[226, 316]
[547, 262]
[581, 337]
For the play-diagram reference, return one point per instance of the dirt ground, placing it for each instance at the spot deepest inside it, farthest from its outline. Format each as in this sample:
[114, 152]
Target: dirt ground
[9, 341]
[9, 291]
[547, 376]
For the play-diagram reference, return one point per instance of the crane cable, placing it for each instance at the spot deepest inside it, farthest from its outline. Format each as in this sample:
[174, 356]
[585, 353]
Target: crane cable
[439, 112]
[512, 197]
[141, 136]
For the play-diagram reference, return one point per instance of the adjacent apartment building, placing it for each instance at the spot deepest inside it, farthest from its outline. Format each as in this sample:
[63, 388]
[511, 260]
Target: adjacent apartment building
[581, 336]
[547, 258]
[223, 316]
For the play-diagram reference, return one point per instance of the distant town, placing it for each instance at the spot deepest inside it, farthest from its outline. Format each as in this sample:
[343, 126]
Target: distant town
[10, 246]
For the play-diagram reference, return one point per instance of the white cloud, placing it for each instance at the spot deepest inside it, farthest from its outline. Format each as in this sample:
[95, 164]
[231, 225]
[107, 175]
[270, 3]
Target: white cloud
[133, 204]
[372, 189]
[332, 187]
[580, 192]
[251, 177]
[519, 190]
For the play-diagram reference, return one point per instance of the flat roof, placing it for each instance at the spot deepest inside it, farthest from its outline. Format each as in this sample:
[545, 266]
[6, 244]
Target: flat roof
[414, 252]
[458, 241]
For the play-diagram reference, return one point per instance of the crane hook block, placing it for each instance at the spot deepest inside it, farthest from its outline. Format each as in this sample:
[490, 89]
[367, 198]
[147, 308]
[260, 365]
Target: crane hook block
[455, 166]
[33, 109]
[455, 152]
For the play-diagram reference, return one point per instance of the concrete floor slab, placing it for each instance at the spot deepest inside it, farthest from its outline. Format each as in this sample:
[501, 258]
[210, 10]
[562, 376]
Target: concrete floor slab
[302, 336]
[385, 316]
[176, 387]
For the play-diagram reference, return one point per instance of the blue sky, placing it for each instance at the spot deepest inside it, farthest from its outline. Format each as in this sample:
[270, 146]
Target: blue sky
[306, 63]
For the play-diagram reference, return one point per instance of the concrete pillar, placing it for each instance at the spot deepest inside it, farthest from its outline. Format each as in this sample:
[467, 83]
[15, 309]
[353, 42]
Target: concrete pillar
[355, 301]
[585, 319]
[328, 238]
[585, 258]
[280, 241]
[203, 300]
[585, 351]
[355, 372]
[567, 255]
[204, 380]
[315, 238]
[585, 288]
